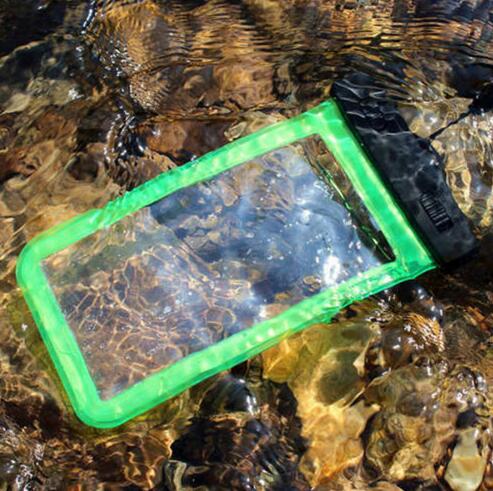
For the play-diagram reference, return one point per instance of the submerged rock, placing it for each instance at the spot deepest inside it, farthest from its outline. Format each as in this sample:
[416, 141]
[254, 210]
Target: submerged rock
[323, 368]
[467, 466]
[239, 441]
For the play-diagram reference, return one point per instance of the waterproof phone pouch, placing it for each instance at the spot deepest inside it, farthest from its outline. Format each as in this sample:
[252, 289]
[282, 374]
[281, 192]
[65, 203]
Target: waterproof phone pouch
[213, 262]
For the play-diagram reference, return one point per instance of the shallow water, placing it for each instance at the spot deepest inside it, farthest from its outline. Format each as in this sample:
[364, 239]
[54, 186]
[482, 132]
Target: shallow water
[97, 97]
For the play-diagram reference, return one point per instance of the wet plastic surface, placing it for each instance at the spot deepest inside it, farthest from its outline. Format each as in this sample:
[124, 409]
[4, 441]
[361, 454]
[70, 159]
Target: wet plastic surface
[207, 262]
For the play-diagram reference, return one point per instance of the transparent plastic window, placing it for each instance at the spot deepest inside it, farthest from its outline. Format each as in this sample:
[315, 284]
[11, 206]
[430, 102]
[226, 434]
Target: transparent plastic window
[211, 260]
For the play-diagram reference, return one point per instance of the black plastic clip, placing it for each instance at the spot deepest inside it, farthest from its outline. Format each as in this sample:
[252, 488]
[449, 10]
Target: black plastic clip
[410, 167]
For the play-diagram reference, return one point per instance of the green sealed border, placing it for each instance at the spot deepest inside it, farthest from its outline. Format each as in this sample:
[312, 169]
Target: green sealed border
[326, 120]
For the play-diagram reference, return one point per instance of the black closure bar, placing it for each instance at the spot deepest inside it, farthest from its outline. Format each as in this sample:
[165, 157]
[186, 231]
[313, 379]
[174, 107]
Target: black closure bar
[409, 165]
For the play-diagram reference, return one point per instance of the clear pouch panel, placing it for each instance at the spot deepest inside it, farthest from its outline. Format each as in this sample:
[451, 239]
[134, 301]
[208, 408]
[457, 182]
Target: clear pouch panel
[211, 260]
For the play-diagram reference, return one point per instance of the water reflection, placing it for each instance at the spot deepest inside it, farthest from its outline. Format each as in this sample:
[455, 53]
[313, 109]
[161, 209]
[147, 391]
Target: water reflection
[92, 105]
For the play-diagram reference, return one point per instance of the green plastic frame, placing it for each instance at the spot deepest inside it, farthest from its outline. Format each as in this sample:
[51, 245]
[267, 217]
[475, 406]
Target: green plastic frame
[326, 120]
